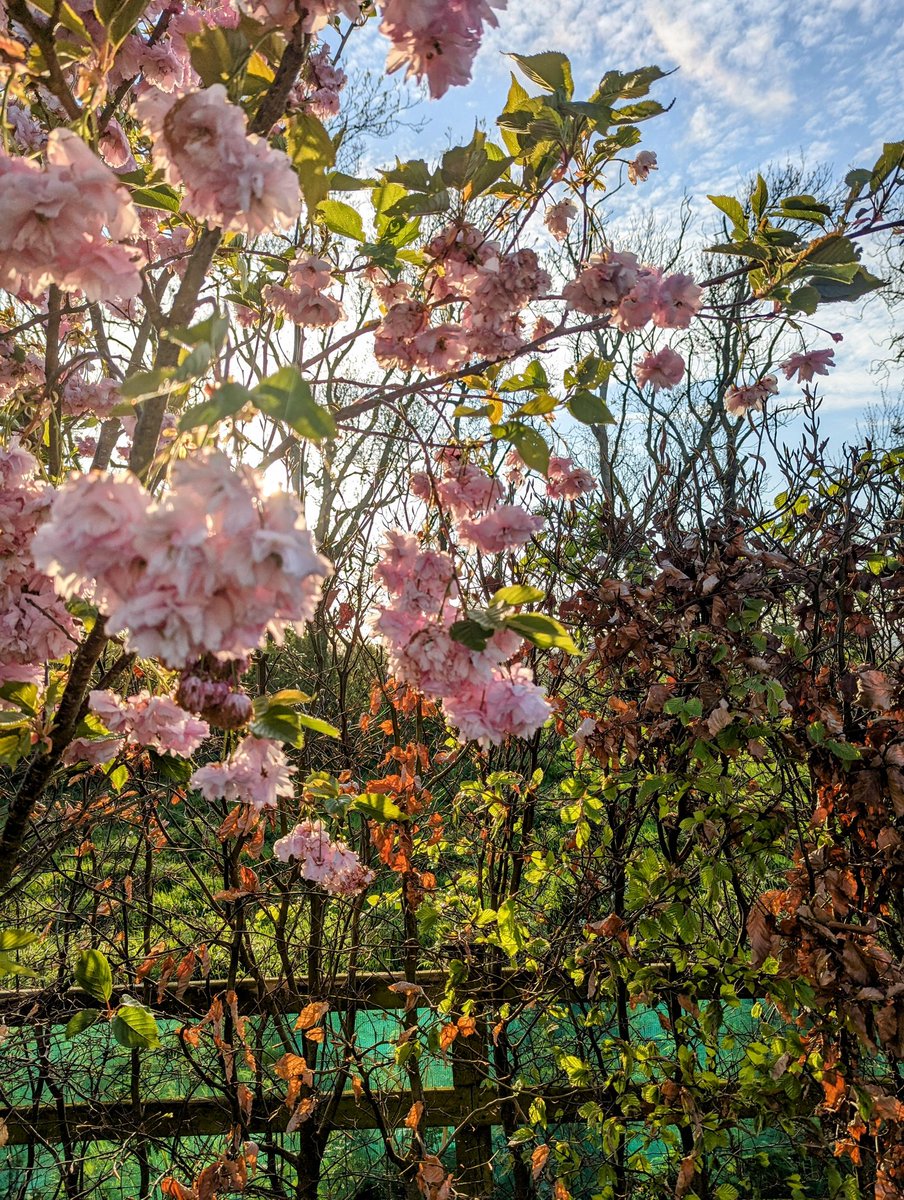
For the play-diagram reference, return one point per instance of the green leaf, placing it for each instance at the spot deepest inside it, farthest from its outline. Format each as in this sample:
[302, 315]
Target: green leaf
[470, 633]
[317, 726]
[225, 402]
[527, 441]
[284, 697]
[891, 158]
[804, 299]
[80, 1021]
[119, 17]
[733, 209]
[511, 933]
[211, 332]
[518, 593]
[863, 282]
[9, 966]
[377, 807]
[551, 70]
[538, 405]
[545, 632]
[135, 1027]
[23, 695]
[590, 409]
[532, 378]
[341, 218]
[217, 54]
[279, 724]
[160, 196]
[147, 383]
[313, 153]
[15, 939]
[759, 197]
[287, 397]
[92, 972]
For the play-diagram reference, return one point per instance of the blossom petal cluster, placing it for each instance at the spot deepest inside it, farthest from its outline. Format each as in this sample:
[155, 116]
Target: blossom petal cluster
[209, 568]
[483, 697]
[257, 773]
[493, 287]
[35, 627]
[303, 298]
[233, 180]
[664, 369]
[750, 398]
[436, 40]
[147, 720]
[330, 864]
[565, 481]
[67, 223]
[640, 167]
[809, 364]
[312, 15]
[319, 89]
[615, 283]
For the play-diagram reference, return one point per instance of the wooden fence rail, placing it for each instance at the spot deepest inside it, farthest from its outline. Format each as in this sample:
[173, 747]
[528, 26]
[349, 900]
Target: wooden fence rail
[470, 1107]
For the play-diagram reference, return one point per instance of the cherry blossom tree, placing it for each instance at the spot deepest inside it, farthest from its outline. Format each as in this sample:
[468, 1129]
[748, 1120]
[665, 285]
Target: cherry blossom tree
[265, 419]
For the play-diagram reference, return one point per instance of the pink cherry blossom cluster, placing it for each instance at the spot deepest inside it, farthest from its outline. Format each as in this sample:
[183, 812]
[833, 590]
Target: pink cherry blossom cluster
[469, 268]
[640, 167]
[67, 223]
[480, 695]
[510, 704]
[20, 370]
[82, 396]
[615, 283]
[467, 491]
[664, 369]
[210, 567]
[256, 773]
[35, 627]
[558, 218]
[424, 603]
[436, 40]
[809, 364]
[565, 481]
[752, 398]
[332, 865]
[232, 179]
[304, 299]
[146, 720]
[320, 86]
[313, 15]
[163, 65]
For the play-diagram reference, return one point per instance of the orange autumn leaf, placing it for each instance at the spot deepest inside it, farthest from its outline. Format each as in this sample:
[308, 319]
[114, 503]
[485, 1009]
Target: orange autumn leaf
[312, 1014]
[293, 1066]
[414, 1115]
[447, 1036]
[538, 1160]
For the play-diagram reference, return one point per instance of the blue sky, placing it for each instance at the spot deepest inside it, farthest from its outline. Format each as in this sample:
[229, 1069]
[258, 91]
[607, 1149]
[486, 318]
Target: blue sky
[756, 82]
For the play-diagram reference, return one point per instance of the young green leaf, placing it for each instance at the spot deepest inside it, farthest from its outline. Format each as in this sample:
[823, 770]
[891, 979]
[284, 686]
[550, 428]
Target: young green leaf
[80, 1021]
[92, 972]
[545, 632]
[135, 1027]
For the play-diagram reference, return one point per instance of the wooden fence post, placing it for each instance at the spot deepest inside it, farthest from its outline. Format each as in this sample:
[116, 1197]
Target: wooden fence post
[473, 1142]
